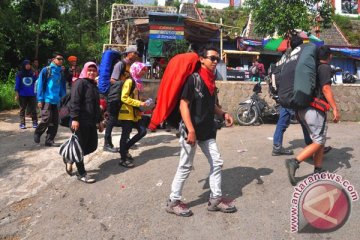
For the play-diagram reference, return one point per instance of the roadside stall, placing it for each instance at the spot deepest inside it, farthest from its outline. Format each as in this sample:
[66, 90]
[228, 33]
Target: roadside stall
[238, 64]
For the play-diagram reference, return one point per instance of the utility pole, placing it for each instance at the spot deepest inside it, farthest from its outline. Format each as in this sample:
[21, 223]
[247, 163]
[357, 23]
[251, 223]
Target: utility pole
[97, 14]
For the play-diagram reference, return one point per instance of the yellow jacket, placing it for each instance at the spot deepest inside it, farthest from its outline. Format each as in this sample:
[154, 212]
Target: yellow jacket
[130, 103]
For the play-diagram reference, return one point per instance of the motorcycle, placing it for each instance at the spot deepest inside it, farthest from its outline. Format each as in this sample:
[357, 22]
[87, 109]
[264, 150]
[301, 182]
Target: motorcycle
[256, 109]
[347, 77]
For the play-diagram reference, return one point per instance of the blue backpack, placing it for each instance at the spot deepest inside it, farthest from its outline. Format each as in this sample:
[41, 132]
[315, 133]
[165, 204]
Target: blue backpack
[108, 61]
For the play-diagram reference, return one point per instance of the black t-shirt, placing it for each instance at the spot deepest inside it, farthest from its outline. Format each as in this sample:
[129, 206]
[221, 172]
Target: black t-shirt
[323, 78]
[202, 107]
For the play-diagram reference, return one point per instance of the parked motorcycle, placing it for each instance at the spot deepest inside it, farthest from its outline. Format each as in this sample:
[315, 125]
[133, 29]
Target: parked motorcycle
[256, 109]
[347, 77]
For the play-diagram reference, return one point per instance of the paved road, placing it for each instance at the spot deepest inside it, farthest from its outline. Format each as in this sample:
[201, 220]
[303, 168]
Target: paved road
[39, 201]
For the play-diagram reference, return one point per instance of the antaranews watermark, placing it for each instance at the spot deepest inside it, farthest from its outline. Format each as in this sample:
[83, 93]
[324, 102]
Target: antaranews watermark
[321, 203]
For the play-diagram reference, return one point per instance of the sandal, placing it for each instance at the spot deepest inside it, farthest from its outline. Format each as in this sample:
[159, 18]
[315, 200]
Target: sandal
[86, 179]
[128, 163]
[68, 167]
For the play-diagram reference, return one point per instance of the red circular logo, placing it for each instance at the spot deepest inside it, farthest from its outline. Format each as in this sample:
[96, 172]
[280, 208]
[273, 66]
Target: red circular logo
[325, 206]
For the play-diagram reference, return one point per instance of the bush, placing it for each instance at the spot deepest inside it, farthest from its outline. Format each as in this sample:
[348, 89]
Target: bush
[7, 92]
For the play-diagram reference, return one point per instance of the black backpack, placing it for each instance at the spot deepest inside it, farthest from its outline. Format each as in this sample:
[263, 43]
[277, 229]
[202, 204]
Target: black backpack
[114, 96]
[64, 111]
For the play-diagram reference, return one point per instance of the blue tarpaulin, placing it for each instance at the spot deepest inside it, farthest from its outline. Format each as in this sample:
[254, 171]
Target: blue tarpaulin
[350, 52]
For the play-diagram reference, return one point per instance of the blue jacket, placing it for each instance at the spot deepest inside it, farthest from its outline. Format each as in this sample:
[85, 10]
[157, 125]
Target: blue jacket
[52, 89]
[25, 84]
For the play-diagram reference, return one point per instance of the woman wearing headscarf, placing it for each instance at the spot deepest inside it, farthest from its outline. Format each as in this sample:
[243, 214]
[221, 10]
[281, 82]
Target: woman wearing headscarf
[86, 116]
[25, 93]
[130, 113]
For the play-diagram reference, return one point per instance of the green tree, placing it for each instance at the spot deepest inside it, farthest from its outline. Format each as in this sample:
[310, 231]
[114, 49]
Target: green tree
[282, 16]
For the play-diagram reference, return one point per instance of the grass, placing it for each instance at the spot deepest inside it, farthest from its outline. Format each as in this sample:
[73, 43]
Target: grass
[347, 27]
[7, 92]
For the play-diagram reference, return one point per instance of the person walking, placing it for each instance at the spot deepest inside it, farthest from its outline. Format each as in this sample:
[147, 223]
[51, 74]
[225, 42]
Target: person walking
[25, 94]
[314, 119]
[86, 116]
[50, 89]
[197, 108]
[121, 72]
[130, 115]
[285, 113]
[72, 72]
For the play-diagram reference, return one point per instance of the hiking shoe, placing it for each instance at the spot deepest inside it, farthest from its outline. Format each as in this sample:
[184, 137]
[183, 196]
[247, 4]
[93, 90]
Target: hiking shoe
[178, 208]
[36, 138]
[292, 165]
[86, 179]
[221, 204]
[281, 151]
[35, 125]
[327, 149]
[22, 126]
[319, 170]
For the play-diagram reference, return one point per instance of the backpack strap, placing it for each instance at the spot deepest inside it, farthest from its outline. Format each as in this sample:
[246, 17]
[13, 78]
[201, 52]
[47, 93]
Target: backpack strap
[198, 83]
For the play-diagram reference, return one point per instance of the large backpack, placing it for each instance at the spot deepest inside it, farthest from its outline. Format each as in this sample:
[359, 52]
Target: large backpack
[298, 77]
[175, 116]
[171, 84]
[108, 61]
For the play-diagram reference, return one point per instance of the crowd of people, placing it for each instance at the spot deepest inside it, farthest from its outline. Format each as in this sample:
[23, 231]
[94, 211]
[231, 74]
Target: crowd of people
[198, 106]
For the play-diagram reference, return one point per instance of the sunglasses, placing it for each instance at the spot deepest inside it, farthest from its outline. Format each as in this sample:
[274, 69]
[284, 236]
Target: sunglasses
[60, 59]
[213, 58]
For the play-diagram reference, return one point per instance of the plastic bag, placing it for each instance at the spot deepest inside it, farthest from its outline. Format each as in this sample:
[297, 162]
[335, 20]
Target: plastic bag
[71, 150]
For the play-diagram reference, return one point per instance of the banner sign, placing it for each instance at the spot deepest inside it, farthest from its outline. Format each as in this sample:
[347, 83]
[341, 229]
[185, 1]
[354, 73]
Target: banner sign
[166, 32]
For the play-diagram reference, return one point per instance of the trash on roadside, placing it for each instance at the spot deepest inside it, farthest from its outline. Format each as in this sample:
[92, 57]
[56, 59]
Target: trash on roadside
[159, 183]
[242, 150]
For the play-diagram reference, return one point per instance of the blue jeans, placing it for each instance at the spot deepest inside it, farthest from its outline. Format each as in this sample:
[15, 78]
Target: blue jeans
[282, 125]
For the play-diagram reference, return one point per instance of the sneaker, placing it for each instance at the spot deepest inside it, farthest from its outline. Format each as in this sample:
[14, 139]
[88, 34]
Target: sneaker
[110, 148]
[178, 208]
[52, 144]
[222, 205]
[281, 151]
[292, 165]
[35, 125]
[86, 179]
[36, 138]
[22, 126]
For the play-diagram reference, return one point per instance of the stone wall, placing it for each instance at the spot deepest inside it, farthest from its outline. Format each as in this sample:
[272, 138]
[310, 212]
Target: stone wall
[120, 11]
[232, 93]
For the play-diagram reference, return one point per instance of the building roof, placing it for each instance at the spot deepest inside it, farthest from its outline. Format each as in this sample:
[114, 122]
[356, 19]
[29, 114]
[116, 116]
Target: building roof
[331, 36]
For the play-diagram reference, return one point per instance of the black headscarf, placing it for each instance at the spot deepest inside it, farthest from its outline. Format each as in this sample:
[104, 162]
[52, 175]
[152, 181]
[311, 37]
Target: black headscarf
[24, 72]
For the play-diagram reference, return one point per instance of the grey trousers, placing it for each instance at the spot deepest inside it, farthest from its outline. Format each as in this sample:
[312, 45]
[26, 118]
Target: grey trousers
[209, 148]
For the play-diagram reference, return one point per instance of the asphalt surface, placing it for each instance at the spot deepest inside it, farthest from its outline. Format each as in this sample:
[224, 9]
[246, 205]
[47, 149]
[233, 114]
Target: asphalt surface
[39, 201]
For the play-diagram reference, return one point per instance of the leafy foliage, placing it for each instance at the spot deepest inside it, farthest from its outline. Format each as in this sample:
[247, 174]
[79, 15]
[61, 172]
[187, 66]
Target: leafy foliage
[7, 93]
[282, 16]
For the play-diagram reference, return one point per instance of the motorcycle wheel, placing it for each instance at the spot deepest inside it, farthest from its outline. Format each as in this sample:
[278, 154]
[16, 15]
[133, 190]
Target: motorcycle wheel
[246, 116]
